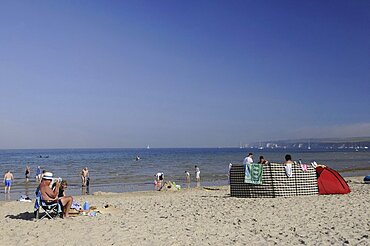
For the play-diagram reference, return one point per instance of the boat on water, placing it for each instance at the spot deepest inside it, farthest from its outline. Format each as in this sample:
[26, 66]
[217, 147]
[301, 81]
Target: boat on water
[260, 147]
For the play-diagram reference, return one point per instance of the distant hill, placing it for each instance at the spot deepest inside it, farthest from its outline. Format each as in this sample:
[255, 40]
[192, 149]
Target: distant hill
[355, 143]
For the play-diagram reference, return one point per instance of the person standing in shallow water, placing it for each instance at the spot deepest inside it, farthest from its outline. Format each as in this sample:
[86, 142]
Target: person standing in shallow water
[197, 173]
[8, 178]
[38, 174]
[187, 176]
[84, 176]
[27, 172]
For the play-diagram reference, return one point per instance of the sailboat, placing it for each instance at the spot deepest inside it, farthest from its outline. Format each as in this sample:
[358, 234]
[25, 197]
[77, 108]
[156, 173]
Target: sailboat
[309, 144]
[260, 147]
[148, 147]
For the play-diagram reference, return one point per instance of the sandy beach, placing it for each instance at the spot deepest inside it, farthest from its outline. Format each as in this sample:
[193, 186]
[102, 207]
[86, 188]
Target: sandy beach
[199, 216]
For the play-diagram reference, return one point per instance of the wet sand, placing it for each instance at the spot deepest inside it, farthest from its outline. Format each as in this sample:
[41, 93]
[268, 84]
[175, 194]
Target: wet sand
[198, 216]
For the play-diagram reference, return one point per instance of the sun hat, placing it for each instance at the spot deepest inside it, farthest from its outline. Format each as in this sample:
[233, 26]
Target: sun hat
[47, 175]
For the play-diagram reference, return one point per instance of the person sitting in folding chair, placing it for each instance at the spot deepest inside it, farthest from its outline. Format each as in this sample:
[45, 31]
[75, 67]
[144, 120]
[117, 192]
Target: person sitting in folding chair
[50, 196]
[52, 210]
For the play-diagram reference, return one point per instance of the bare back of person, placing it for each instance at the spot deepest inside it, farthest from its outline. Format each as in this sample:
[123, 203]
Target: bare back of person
[289, 162]
[8, 176]
[46, 192]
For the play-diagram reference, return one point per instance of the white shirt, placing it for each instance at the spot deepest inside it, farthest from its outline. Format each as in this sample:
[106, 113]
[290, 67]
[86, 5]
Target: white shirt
[248, 160]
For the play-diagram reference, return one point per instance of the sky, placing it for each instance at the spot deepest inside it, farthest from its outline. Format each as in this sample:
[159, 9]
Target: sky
[127, 74]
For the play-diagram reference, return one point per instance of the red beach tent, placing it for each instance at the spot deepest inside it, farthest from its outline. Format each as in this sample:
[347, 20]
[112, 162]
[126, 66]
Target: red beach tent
[330, 181]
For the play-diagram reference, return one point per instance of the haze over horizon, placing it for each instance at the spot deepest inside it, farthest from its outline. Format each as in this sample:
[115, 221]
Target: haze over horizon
[93, 74]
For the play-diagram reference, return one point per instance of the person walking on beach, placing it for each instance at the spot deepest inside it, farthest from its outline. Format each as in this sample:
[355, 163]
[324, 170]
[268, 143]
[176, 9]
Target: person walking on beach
[248, 159]
[8, 178]
[197, 173]
[27, 172]
[84, 176]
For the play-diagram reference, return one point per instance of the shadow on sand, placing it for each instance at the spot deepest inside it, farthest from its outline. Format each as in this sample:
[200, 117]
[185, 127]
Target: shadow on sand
[22, 216]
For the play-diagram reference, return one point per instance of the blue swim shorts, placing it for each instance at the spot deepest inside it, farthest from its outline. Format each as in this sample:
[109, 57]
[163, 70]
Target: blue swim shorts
[8, 183]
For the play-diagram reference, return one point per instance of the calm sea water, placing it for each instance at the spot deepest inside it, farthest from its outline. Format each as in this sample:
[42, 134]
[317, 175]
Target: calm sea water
[117, 170]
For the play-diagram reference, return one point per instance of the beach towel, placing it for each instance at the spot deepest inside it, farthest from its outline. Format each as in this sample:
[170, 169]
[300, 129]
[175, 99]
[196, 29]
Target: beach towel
[25, 198]
[253, 173]
[75, 205]
[304, 167]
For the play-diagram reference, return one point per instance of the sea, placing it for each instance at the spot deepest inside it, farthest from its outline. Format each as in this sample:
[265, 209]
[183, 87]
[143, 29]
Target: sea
[118, 170]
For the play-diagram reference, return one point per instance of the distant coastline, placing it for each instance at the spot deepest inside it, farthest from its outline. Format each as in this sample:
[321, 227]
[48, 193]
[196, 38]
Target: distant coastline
[353, 143]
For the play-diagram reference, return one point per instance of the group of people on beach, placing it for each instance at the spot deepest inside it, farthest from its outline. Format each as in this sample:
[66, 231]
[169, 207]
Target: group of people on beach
[249, 159]
[197, 175]
[51, 189]
[159, 178]
[9, 177]
[287, 164]
[158, 182]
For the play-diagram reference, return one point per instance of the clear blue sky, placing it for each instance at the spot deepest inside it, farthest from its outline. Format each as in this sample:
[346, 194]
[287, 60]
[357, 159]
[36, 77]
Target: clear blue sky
[182, 73]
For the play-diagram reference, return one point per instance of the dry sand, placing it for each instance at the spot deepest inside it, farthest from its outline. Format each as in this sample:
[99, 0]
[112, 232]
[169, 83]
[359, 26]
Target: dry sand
[198, 216]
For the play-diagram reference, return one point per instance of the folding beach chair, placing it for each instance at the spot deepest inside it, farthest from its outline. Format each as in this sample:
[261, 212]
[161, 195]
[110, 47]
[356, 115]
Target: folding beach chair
[50, 209]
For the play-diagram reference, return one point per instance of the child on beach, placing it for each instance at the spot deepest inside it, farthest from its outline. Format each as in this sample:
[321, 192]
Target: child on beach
[158, 181]
[187, 175]
[197, 173]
